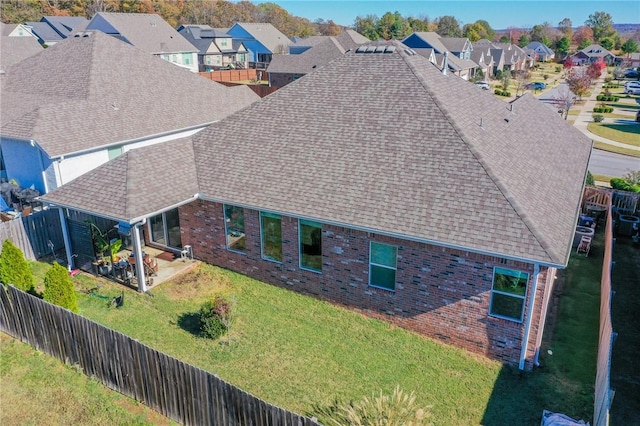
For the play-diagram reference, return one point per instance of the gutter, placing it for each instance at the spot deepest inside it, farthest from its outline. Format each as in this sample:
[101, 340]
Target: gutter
[527, 330]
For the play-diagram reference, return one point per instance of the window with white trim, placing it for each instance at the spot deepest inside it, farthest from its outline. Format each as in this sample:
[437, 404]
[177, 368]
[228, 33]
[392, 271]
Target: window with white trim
[310, 235]
[382, 265]
[508, 294]
[271, 236]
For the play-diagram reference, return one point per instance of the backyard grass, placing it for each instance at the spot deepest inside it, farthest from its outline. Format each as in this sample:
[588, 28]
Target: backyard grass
[301, 353]
[625, 368]
[38, 389]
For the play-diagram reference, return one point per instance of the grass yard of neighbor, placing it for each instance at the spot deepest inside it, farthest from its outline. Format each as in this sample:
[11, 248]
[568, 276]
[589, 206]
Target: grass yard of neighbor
[301, 353]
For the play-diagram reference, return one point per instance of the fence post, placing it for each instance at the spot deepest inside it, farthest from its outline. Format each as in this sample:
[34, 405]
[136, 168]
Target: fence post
[65, 237]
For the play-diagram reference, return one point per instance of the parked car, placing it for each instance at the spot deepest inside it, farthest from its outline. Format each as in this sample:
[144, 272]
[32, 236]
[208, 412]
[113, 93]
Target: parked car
[483, 85]
[632, 90]
[538, 85]
[631, 73]
[631, 84]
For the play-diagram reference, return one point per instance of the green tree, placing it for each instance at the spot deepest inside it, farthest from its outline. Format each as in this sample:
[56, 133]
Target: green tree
[562, 45]
[505, 39]
[58, 288]
[14, 268]
[601, 24]
[366, 25]
[608, 43]
[566, 27]
[582, 35]
[584, 43]
[524, 40]
[418, 24]
[489, 33]
[448, 26]
[629, 46]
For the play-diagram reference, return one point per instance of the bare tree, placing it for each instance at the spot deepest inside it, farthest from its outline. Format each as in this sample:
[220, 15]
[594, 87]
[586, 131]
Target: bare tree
[521, 80]
[564, 99]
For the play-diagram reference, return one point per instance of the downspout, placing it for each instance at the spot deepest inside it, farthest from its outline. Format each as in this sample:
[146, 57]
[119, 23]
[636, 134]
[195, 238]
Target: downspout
[527, 330]
[65, 238]
[137, 250]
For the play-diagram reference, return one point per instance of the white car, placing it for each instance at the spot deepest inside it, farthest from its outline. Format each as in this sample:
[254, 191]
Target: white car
[631, 84]
[632, 90]
[483, 85]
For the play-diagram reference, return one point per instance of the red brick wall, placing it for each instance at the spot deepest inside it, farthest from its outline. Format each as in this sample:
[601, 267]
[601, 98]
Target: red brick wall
[440, 292]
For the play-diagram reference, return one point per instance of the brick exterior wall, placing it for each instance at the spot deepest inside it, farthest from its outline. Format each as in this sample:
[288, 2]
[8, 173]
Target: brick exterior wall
[440, 292]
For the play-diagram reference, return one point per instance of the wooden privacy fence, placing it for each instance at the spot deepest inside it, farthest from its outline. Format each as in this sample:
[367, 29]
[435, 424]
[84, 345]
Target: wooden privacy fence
[180, 391]
[603, 393]
[232, 75]
[36, 235]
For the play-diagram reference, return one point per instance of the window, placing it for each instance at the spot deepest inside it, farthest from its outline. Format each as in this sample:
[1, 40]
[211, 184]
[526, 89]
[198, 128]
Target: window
[186, 58]
[310, 245]
[114, 152]
[165, 229]
[224, 42]
[382, 265]
[234, 226]
[271, 234]
[508, 294]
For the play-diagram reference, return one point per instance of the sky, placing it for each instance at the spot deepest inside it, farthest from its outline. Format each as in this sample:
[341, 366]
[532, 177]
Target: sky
[499, 13]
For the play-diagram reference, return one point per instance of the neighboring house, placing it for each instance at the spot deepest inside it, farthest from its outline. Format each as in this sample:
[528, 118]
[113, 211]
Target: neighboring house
[541, 50]
[15, 49]
[90, 98]
[592, 54]
[634, 60]
[309, 54]
[53, 29]
[459, 51]
[414, 198]
[150, 33]
[216, 48]
[15, 30]
[262, 40]
[505, 56]
[482, 56]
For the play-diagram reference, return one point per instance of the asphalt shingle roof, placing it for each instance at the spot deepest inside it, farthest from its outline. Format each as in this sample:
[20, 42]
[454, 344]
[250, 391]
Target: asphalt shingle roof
[94, 91]
[146, 31]
[268, 35]
[15, 49]
[309, 60]
[140, 182]
[45, 32]
[419, 155]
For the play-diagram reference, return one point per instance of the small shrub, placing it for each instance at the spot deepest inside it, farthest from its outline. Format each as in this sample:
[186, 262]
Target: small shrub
[14, 268]
[590, 180]
[545, 76]
[558, 69]
[58, 288]
[597, 117]
[498, 92]
[214, 315]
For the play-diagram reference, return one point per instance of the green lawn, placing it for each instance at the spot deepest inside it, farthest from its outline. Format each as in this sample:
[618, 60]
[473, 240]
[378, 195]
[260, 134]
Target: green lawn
[301, 353]
[37, 389]
[624, 133]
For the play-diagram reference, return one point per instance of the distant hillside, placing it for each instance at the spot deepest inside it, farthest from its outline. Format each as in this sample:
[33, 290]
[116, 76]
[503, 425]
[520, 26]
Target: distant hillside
[626, 30]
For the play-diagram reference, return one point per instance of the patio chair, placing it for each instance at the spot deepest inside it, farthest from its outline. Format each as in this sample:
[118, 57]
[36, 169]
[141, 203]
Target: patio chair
[584, 246]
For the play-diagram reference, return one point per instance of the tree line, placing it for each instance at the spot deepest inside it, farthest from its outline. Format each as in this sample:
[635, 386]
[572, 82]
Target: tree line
[598, 28]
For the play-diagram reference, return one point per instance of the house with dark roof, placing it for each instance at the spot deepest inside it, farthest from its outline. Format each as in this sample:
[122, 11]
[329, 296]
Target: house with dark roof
[216, 49]
[53, 29]
[418, 200]
[591, 54]
[15, 30]
[458, 51]
[90, 98]
[150, 33]
[542, 51]
[348, 39]
[263, 41]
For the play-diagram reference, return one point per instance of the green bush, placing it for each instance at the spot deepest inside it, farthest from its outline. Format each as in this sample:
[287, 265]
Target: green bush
[623, 185]
[545, 76]
[58, 288]
[607, 98]
[602, 109]
[500, 92]
[590, 180]
[597, 117]
[399, 409]
[214, 317]
[14, 268]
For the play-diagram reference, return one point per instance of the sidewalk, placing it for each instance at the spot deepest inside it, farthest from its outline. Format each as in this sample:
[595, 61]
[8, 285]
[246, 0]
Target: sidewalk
[584, 118]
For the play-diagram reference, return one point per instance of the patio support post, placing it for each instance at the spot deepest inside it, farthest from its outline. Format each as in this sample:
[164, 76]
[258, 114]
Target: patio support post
[527, 329]
[137, 250]
[66, 239]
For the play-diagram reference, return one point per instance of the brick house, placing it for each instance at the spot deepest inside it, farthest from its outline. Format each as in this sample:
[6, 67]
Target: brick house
[378, 183]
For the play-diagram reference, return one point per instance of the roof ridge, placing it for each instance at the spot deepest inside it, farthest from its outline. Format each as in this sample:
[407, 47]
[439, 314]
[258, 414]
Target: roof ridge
[127, 179]
[508, 196]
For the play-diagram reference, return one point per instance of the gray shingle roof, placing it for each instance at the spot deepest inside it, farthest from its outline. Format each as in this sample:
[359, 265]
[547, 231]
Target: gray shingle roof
[45, 32]
[308, 61]
[140, 182]
[422, 155]
[267, 34]
[146, 31]
[89, 92]
[536, 45]
[596, 51]
[15, 49]
[64, 25]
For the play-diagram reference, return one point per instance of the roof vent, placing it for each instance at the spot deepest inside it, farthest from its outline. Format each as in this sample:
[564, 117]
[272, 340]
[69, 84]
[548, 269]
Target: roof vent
[445, 63]
[389, 49]
[409, 52]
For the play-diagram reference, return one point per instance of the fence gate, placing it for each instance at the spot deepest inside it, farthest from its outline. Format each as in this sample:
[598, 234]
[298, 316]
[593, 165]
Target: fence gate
[82, 244]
